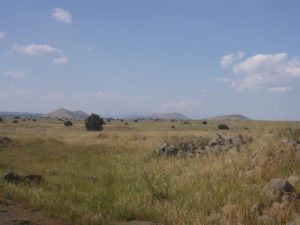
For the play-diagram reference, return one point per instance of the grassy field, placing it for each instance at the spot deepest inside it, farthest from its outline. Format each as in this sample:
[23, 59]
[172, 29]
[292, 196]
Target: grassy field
[101, 178]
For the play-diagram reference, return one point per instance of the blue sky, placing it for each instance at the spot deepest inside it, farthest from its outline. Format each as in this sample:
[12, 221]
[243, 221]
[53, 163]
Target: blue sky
[199, 58]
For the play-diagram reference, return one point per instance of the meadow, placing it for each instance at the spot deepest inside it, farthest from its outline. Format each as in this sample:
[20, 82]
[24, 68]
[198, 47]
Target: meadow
[107, 177]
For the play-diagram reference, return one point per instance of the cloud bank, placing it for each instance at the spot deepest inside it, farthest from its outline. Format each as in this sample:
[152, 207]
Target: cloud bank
[34, 50]
[274, 73]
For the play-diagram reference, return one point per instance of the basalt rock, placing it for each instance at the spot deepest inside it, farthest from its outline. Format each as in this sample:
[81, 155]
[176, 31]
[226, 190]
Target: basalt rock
[12, 177]
[218, 144]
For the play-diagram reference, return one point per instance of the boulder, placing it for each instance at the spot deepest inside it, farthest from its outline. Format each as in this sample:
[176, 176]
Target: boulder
[294, 180]
[171, 150]
[12, 177]
[277, 188]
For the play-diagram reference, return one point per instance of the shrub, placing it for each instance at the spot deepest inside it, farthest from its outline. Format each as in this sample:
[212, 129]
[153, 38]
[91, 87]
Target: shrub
[1, 120]
[15, 121]
[34, 120]
[68, 123]
[136, 121]
[94, 122]
[185, 122]
[204, 122]
[17, 117]
[173, 127]
[126, 123]
[122, 120]
[223, 127]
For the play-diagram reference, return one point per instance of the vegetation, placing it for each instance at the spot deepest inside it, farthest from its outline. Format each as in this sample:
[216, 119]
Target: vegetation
[94, 123]
[99, 180]
[223, 126]
[68, 123]
[1, 120]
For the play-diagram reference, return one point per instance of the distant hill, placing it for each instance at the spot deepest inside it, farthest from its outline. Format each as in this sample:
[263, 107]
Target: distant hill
[60, 113]
[167, 116]
[20, 114]
[229, 117]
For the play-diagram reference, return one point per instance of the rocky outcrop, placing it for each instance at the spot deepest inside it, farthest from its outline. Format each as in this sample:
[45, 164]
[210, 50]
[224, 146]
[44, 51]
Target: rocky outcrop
[15, 178]
[218, 144]
[278, 188]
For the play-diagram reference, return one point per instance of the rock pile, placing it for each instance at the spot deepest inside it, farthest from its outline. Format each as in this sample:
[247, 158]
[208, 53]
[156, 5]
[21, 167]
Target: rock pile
[4, 141]
[12, 177]
[223, 143]
[220, 143]
[282, 199]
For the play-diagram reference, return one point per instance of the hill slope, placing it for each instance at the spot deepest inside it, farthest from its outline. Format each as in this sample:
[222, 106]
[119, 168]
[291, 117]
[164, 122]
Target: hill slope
[168, 116]
[229, 117]
[68, 114]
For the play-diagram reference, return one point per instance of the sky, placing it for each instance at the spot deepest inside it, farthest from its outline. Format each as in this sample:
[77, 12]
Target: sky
[200, 58]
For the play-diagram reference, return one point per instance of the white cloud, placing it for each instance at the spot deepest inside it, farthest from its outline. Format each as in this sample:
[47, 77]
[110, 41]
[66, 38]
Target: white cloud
[91, 48]
[2, 35]
[62, 15]
[228, 60]
[62, 60]
[34, 50]
[271, 72]
[54, 96]
[279, 89]
[16, 75]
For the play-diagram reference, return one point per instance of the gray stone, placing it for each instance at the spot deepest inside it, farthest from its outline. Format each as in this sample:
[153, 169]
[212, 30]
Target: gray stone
[171, 150]
[277, 188]
[294, 180]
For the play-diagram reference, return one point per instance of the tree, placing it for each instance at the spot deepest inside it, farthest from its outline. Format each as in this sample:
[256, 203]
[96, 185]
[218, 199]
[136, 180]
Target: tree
[1, 120]
[94, 122]
[223, 127]
[68, 123]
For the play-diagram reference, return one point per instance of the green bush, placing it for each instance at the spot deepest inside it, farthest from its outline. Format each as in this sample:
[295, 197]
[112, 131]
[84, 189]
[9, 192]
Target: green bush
[223, 127]
[94, 123]
[68, 123]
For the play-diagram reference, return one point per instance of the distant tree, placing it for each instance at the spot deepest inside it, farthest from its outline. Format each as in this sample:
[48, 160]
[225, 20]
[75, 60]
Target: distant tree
[68, 123]
[204, 122]
[34, 120]
[122, 120]
[17, 117]
[223, 127]
[1, 120]
[136, 121]
[94, 123]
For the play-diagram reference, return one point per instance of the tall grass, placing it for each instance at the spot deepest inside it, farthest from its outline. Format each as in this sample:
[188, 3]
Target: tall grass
[92, 179]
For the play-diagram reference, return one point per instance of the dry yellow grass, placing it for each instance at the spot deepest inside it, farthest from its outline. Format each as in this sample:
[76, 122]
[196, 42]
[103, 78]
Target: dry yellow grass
[99, 178]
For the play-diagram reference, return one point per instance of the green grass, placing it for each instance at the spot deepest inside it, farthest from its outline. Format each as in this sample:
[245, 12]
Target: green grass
[100, 179]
